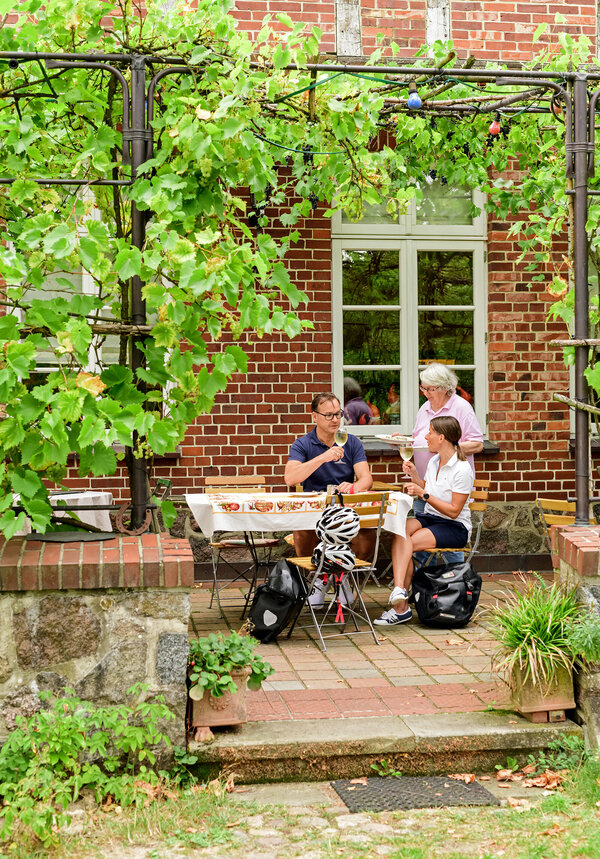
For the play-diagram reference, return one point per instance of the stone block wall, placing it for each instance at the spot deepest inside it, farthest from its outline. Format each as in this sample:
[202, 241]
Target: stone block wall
[576, 552]
[97, 618]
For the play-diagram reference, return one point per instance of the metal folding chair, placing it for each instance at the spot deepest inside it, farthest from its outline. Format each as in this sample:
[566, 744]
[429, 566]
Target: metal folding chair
[370, 507]
[258, 547]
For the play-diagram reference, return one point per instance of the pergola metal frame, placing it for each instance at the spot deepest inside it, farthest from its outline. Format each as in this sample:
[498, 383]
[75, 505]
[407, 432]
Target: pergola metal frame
[570, 87]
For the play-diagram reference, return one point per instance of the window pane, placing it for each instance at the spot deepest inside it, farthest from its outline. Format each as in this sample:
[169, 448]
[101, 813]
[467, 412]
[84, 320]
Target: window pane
[444, 204]
[445, 277]
[373, 213]
[381, 390]
[371, 337]
[370, 277]
[446, 335]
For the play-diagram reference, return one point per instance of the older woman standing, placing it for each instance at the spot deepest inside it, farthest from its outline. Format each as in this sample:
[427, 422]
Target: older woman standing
[438, 385]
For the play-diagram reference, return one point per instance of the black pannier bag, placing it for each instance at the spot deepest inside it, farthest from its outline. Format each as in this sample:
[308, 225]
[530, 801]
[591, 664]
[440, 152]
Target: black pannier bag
[446, 595]
[276, 602]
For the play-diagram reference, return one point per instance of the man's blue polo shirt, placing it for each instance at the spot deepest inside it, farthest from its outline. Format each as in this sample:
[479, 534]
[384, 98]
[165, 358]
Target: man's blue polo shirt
[308, 446]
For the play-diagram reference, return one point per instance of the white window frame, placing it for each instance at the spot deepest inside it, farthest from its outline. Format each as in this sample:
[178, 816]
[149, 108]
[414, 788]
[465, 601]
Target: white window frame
[408, 238]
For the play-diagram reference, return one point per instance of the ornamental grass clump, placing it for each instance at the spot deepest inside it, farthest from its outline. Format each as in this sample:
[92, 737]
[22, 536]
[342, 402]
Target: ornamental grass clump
[214, 659]
[535, 630]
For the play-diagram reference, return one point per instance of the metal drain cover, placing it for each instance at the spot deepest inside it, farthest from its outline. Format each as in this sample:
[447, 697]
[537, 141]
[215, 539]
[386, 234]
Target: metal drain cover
[389, 793]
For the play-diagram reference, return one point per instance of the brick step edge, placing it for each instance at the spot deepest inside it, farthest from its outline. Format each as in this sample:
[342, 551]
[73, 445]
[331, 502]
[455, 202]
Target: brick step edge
[320, 749]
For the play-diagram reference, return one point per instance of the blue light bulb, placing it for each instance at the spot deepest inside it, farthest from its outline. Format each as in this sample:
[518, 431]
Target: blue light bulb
[414, 100]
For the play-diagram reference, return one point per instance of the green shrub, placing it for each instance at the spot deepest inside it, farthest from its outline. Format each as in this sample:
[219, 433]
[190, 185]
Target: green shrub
[533, 629]
[51, 758]
[213, 659]
[542, 629]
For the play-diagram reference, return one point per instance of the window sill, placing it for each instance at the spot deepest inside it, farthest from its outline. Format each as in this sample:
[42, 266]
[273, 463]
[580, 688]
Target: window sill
[380, 450]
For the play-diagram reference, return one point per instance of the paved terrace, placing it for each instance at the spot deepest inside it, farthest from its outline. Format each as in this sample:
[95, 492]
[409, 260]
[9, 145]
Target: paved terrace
[414, 670]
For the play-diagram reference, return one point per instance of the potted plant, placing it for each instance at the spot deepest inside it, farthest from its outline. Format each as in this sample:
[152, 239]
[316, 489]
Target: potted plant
[220, 668]
[541, 635]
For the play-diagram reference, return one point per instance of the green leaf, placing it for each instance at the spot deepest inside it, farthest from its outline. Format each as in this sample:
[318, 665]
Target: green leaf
[128, 262]
[9, 327]
[21, 357]
[169, 512]
[88, 252]
[231, 126]
[26, 483]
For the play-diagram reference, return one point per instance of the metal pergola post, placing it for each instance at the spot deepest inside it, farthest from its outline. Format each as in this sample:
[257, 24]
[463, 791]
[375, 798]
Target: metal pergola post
[581, 332]
[139, 472]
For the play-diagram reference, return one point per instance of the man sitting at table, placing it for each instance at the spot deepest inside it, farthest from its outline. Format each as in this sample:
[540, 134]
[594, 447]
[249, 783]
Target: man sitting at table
[316, 462]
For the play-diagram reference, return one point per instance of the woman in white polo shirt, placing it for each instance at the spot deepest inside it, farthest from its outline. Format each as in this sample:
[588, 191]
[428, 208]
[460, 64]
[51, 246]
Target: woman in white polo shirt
[447, 519]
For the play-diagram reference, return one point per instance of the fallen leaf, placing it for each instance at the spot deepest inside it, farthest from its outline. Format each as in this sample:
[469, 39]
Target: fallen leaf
[539, 781]
[512, 721]
[468, 778]
[503, 784]
[485, 778]
[420, 695]
[235, 823]
[554, 830]
[361, 780]
[518, 804]
[502, 775]
[455, 641]
[530, 768]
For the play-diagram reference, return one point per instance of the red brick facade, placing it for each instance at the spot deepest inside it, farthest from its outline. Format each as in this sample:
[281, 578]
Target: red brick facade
[255, 421]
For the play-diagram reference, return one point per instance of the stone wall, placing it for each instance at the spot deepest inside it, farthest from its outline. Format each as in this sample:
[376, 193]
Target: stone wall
[96, 618]
[576, 556]
[512, 529]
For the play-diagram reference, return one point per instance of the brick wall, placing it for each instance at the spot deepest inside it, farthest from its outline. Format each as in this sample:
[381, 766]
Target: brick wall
[490, 30]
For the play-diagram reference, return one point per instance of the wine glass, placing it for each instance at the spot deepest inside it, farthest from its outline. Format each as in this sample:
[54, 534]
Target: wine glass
[406, 452]
[341, 434]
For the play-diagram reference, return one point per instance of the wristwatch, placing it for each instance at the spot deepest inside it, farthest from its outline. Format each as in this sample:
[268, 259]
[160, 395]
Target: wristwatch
[426, 496]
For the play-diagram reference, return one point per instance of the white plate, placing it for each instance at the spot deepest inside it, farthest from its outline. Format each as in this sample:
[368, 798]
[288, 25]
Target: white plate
[396, 439]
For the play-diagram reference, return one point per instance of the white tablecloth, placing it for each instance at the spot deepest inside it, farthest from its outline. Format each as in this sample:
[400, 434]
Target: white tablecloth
[398, 506]
[256, 511]
[278, 511]
[99, 518]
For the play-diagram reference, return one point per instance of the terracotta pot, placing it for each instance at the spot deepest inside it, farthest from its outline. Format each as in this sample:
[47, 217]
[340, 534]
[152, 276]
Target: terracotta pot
[528, 698]
[229, 709]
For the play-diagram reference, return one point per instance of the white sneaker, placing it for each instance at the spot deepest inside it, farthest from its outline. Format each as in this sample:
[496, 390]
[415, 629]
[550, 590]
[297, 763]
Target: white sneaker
[346, 595]
[317, 594]
[398, 594]
[392, 618]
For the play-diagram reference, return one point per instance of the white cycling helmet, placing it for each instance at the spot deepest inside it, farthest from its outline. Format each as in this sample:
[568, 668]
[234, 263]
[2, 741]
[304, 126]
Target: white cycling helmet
[340, 556]
[338, 525]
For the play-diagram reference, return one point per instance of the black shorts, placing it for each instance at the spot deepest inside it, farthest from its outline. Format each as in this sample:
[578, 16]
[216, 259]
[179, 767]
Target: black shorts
[448, 534]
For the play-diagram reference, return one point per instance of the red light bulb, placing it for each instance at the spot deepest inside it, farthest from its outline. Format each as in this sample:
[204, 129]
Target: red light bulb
[494, 127]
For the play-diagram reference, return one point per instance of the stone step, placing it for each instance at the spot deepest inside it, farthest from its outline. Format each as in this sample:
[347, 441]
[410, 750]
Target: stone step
[320, 749]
